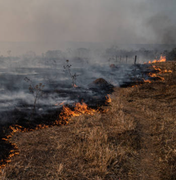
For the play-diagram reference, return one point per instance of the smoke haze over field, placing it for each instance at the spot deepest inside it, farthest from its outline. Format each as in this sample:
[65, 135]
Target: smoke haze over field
[100, 38]
[122, 21]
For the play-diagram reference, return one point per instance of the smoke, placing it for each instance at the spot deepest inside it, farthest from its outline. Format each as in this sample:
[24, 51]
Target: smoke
[160, 21]
[51, 23]
[164, 29]
[59, 24]
[86, 21]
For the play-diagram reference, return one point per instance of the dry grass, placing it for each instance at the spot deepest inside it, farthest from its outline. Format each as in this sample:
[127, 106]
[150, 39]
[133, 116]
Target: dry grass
[135, 139]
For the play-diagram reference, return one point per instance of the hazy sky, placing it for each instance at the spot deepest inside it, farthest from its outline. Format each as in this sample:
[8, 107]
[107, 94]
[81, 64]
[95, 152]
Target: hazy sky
[120, 21]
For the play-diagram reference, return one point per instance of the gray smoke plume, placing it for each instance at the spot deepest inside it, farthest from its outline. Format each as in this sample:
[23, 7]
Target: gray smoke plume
[50, 23]
[163, 28]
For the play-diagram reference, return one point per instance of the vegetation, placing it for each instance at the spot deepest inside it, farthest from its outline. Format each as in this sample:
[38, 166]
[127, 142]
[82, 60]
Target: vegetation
[135, 139]
[73, 77]
[36, 90]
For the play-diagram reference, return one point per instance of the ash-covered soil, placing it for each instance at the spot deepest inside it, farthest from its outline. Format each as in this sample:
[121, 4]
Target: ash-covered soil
[93, 83]
[134, 139]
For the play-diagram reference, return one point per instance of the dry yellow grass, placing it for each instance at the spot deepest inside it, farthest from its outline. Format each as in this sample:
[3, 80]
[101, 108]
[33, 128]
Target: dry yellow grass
[135, 139]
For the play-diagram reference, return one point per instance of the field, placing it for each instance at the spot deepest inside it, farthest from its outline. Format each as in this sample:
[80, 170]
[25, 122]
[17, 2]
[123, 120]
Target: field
[134, 138]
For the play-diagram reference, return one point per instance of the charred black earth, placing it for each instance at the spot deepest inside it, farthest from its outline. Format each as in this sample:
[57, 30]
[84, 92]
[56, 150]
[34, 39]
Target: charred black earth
[92, 86]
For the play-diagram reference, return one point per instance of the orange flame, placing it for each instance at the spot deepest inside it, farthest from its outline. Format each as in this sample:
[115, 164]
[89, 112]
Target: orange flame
[65, 115]
[108, 99]
[162, 71]
[79, 109]
[152, 75]
[147, 81]
[167, 71]
[136, 85]
[157, 69]
[75, 86]
[162, 59]
[61, 104]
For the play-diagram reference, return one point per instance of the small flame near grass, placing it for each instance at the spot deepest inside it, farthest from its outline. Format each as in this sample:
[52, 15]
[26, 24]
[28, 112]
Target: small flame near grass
[162, 59]
[147, 81]
[108, 99]
[80, 108]
[152, 75]
[159, 71]
[64, 117]
[75, 86]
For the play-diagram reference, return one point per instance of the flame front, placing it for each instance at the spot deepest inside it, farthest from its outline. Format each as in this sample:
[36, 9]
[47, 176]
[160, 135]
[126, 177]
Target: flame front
[65, 115]
[147, 81]
[162, 59]
[152, 75]
[79, 109]
[157, 69]
[161, 71]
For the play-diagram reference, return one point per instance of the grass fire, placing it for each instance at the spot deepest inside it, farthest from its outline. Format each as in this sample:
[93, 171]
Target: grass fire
[88, 90]
[92, 128]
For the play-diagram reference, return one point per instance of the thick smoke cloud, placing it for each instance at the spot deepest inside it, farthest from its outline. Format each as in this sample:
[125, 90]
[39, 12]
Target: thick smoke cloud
[163, 29]
[161, 24]
[122, 21]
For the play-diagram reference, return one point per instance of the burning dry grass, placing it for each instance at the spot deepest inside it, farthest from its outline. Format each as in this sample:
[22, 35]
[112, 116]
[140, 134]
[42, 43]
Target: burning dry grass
[135, 139]
[162, 59]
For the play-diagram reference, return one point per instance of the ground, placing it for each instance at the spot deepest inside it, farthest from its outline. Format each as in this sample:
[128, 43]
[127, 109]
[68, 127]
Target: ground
[134, 139]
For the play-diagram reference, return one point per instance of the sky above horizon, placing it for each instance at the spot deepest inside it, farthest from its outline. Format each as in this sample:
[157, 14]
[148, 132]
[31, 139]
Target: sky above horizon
[116, 21]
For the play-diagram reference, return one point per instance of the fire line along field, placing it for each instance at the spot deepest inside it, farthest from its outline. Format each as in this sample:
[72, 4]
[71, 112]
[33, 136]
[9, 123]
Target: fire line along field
[88, 90]
[38, 92]
[33, 87]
